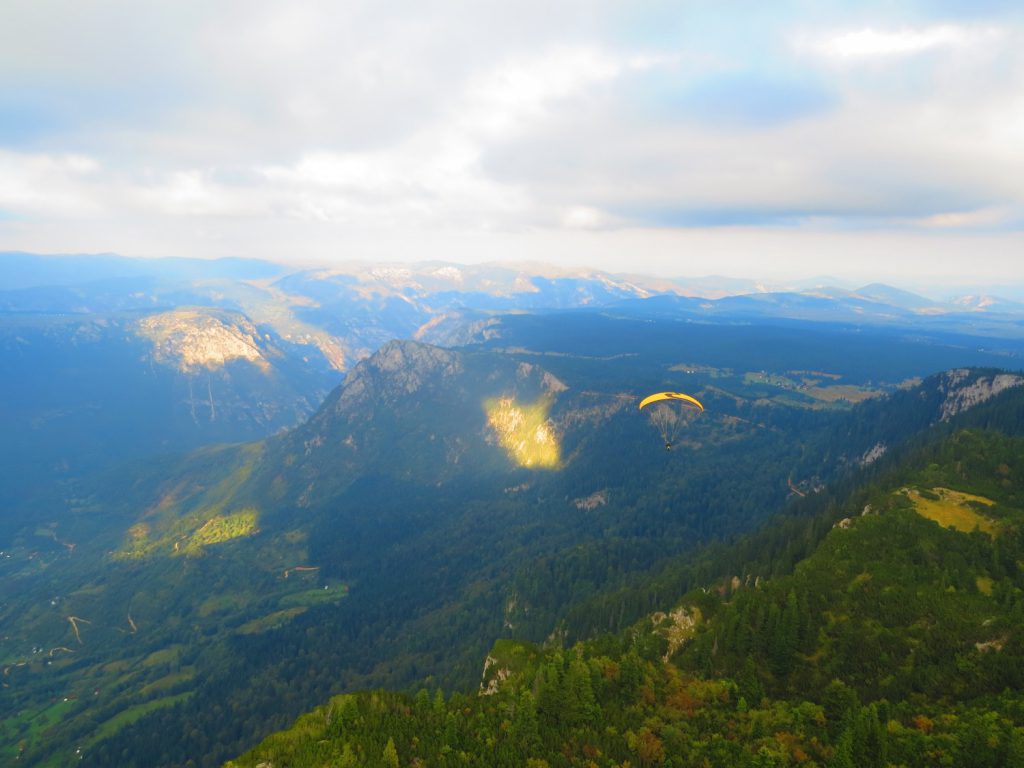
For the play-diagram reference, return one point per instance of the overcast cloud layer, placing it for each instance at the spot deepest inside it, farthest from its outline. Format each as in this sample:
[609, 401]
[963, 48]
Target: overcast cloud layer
[744, 138]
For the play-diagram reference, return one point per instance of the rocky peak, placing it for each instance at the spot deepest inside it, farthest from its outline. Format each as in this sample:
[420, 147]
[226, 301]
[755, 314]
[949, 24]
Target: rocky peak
[399, 368]
[414, 357]
[190, 339]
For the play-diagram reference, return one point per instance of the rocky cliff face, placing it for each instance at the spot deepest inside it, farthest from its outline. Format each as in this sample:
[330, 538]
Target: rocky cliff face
[398, 369]
[223, 368]
[963, 391]
[193, 339]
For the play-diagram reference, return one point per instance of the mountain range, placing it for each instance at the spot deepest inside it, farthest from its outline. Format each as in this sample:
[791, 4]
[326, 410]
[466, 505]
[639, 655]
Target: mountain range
[171, 593]
[195, 352]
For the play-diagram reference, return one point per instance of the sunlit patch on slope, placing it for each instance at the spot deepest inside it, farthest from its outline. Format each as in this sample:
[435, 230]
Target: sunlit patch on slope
[524, 431]
[188, 519]
[221, 528]
[214, 530]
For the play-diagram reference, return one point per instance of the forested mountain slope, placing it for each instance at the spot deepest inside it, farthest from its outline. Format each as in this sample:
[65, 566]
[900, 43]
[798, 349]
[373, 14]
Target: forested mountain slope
[80, 393]
[898, 640]
[438, 500]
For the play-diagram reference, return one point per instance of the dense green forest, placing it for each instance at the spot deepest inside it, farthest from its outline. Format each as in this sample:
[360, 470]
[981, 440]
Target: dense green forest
[895, 642]
[390, 540]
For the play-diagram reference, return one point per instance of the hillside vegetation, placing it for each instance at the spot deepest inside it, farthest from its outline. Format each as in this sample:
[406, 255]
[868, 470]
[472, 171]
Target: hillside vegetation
[187, 607]
[895, 642]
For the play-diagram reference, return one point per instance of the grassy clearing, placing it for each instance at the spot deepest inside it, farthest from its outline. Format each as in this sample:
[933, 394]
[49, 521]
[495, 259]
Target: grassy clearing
[130, 715]
[117, 667]
[222, 528]
[275, 619]
[225, 603]
[812, 377]
[164, 656]
[771, 379]
[332, 592]
[836, 392]
[706, 370]
[953, 509]
[47, 717]
[820, 394]
[28, 727]
[169, 681]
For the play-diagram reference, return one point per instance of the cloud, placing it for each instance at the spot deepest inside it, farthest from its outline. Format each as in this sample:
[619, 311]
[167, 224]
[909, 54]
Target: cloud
[435, 172]
[869, 43]
[234, 125]
[583, 217]
[985, 217]
[40, 183]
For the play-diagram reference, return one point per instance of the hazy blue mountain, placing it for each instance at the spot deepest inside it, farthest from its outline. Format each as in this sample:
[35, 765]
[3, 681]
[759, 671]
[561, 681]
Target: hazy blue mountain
[437, 499]
[987, 304]
[660, 332]
[350, 310]
[79, 393]
[895, 296]
[443, 498]
[27, 270]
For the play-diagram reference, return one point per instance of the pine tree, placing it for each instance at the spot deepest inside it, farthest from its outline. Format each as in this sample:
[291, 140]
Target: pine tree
[869, 739]
[748, 683]
[580, 704]
[348, 758]
[550, 695]
[525, 729]
[439, 708]
[843, 757]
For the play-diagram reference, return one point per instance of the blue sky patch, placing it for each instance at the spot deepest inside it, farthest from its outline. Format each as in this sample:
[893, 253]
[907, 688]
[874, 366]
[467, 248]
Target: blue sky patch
[22, 121]
[750, 100]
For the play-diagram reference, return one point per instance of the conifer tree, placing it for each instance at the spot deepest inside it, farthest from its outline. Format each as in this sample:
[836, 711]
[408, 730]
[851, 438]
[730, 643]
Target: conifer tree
[525, 729]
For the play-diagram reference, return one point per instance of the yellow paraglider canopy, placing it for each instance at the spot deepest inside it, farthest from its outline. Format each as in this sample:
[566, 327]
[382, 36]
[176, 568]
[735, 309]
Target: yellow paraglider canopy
[665, 412]
[670, 396]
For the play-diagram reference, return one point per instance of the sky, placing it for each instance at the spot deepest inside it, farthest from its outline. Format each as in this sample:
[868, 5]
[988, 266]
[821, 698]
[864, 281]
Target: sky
[866, 140]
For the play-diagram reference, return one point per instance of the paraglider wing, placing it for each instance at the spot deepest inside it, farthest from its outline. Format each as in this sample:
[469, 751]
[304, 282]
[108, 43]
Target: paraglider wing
[665, 412]
[658, 396]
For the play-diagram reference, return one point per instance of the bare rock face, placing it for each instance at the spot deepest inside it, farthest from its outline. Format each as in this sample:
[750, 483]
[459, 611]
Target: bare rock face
[490, 684]
[962, 394]
[873, 454]
[677, 627]
[409, 364]
[591, 502]
[190, 339]
[399, 368]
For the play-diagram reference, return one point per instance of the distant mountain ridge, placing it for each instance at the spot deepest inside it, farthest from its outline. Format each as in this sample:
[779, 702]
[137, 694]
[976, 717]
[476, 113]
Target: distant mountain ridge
[536, 285]
[432, 534]
[23, 270]
[434, 499]
[317, 324]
